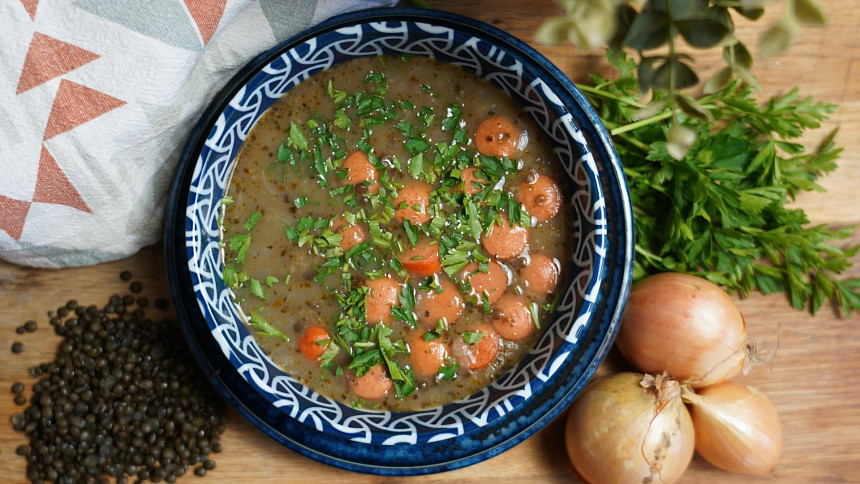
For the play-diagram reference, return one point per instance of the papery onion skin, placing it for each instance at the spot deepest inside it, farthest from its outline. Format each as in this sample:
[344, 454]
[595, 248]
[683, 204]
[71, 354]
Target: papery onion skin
[683, 325]
[614, 425]
[737, 428]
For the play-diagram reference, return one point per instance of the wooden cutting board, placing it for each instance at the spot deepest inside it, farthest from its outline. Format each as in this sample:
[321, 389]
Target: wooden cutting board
[814, 380]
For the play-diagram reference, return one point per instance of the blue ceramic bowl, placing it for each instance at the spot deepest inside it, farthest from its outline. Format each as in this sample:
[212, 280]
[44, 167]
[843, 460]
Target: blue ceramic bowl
[460, 433]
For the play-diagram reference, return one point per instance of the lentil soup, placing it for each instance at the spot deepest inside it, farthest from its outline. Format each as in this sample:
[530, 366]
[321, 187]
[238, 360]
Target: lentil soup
[394, 233]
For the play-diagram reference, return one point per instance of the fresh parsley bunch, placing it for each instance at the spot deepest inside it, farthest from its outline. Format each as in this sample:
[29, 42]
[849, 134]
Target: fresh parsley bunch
[721, 211]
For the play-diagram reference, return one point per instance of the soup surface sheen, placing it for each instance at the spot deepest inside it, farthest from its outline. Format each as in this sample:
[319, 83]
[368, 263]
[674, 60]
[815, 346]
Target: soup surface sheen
[394, 233]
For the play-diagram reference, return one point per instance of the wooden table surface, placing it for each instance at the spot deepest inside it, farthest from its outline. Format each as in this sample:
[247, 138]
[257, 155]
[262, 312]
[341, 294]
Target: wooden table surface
[814, 380]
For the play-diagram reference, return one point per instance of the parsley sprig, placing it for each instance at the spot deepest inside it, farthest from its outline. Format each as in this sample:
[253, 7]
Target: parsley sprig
[722, 211]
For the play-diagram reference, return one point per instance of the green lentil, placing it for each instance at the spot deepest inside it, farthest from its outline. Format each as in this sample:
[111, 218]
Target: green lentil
[122, 398]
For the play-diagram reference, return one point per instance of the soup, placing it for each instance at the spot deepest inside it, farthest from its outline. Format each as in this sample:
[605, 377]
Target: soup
[394, 233]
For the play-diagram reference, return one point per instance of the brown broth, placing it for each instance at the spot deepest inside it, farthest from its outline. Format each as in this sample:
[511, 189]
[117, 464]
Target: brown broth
[262, 184]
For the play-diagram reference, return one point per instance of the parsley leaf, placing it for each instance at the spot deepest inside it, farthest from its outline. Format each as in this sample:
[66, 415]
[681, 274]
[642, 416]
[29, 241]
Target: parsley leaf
[470, 337]
[262, 326]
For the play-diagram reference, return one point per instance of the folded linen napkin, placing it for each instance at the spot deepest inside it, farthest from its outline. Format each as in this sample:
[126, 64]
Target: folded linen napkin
[97, 98]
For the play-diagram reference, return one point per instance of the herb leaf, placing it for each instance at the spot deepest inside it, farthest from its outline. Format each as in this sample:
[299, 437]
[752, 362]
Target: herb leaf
[263, 326]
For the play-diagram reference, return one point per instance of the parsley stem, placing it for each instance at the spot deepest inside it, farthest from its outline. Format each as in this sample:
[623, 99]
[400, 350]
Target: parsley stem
[633, 142]
[642, 122]
[671, 59]
[608, 95]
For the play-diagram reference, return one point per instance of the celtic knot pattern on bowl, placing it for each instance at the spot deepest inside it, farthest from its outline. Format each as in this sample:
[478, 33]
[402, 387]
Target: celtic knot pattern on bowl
[539, 99]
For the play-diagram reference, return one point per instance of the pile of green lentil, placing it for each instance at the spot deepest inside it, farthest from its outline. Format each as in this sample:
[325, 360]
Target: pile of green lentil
[122, 399]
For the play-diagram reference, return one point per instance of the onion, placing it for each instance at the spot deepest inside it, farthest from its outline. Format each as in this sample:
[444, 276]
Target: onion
[685, 326]
[737, 428]
[630, 427]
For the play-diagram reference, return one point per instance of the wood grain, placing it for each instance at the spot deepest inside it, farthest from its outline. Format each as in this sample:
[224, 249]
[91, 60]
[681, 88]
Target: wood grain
[813, 380]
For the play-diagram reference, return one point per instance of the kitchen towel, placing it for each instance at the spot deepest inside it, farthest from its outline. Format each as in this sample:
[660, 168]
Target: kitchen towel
[97, 98]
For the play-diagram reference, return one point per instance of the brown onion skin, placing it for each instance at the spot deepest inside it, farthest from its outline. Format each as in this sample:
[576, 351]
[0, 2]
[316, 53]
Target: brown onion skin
[614, 424]
[737, 428]
[683, 325]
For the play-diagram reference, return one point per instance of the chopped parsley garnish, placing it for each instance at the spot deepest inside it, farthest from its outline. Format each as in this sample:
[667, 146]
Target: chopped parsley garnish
[406, 298]
[257, 288]
[471, 338]
[412, 232]
[252, 221]
[449, 370]
[533, 309]
[297, 137]
[262, 326]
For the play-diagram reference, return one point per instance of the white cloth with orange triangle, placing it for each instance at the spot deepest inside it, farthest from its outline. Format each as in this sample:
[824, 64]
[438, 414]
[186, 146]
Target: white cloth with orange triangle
[97, 98]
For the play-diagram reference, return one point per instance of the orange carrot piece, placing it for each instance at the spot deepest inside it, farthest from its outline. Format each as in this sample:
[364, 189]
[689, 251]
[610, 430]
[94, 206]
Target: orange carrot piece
[309, 343]
[504, 242]
[469, 180]
[415, 198]
[475, 356]
[352, 235]
[493, 282]
[423, 259]
[500, 136]
[541, 196]
[373, 385]
[359, 170]
[382, 296]
[427, 357]
[430, 307]
[540, 275]
[511, 318]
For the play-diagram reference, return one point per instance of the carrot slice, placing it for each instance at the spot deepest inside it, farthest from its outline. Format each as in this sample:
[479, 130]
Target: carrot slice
[430, 307]
[427, 357]
[423, 259]
[352, 235]
[360, 170]
[541, 196]
[382, 296]
[492, 283]
[479, 354]
[500, 136]
[505, 241]
[511, 318]
[469, 181]
[310, 343]
[412, 202]
[373, 385]
[540, 275]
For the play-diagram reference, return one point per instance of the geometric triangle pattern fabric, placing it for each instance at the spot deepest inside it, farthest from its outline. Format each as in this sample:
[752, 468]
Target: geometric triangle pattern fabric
[74, 105]
[150, 18]
[207, 15]
[285, 16]
[48, 58]
[97, 99]
[14, 213]
[53, 186]
[30, 6]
